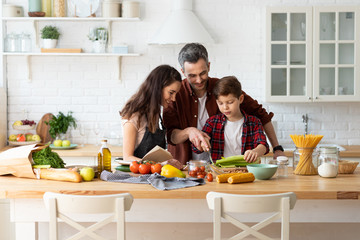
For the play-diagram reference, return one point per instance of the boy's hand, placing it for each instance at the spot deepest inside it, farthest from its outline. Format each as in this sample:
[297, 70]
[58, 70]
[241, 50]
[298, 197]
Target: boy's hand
[200, 139]
[250, 155]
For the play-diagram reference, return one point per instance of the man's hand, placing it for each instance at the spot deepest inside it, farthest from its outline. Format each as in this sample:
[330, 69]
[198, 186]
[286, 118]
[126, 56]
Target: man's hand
[200, 139]
[278, 153]
[251, 155]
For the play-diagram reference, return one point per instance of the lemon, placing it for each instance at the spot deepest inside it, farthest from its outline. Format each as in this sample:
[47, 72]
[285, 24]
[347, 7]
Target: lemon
[41, 166]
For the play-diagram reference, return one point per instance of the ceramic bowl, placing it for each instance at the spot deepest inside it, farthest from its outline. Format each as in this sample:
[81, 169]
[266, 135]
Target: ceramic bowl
[262, 171]
[36, 14]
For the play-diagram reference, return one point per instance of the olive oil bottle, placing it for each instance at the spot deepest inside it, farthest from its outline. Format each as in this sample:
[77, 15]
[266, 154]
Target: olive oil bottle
[104, 158]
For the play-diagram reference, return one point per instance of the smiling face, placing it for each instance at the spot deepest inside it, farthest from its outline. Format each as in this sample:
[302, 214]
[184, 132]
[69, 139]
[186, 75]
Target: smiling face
[197, 75]
[229, 105]
[169, 93]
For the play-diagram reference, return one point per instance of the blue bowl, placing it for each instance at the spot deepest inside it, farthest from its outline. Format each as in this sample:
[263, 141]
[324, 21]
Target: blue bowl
[262, 171]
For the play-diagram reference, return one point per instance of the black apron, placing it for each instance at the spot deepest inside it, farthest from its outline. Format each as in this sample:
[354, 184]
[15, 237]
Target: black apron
[150, 140]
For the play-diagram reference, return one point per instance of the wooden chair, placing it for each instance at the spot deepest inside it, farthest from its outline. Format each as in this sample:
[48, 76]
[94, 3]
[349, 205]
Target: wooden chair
[62, 205]
[223, 203]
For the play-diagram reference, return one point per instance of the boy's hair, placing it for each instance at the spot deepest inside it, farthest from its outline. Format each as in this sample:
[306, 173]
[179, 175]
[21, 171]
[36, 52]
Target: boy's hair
[191, 53]
[227, 85]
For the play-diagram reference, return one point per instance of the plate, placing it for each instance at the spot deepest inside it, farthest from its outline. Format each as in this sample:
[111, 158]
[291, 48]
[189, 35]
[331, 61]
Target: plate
[84, 8]
[63, 148]
[23, 143]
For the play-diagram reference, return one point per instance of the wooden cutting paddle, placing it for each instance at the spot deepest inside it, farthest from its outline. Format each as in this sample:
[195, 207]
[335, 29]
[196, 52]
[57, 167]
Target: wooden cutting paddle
[42, 129]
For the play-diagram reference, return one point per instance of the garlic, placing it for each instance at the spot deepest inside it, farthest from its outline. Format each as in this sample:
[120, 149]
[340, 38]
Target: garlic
[327, 170]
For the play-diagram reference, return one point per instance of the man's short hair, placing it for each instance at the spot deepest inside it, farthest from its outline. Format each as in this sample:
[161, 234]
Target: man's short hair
[227, 85]
[192, 52]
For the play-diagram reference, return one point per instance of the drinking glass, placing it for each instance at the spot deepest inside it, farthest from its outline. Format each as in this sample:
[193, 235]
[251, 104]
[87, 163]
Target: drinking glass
[96, 131]
[82, 133]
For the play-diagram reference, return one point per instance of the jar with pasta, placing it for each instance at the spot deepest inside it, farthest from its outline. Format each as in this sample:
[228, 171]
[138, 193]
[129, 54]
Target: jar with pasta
[59, 8]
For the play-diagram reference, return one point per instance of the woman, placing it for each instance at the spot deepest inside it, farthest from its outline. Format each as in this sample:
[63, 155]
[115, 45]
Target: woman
[142, 113]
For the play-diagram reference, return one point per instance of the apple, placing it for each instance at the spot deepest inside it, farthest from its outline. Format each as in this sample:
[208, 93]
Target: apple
[12, 138]
[58, 143]
[87, 173]
[18, 123]
[66, 143]
[29, 137]
[36, 137]
[20, 138]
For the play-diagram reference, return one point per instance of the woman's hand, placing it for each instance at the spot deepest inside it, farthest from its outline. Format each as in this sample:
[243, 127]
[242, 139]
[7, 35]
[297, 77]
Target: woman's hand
[251, 155]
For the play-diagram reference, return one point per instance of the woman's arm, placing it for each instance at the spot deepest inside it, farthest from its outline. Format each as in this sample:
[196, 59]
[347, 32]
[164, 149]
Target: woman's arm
[130, 134]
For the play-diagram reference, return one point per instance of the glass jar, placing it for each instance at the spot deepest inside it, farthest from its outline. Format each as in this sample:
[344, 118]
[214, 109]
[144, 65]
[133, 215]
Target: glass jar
[328, 162]
[58, 8]
[12, 42]
[282, 163]
[305, 161]
[25, 42]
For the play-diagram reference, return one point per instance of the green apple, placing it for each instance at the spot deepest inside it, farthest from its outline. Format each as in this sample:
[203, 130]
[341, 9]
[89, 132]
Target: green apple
[66, 143]
[36, 137]
[87, 173]
[18, 123]
[12, 138]
[29, 137]
[58, 143]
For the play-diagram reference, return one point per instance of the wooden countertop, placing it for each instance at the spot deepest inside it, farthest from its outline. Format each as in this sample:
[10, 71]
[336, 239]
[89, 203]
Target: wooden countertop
[344, 186]
[89, 150]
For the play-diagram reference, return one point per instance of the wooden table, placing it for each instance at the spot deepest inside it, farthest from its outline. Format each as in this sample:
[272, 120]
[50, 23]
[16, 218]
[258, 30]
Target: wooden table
[319, 199]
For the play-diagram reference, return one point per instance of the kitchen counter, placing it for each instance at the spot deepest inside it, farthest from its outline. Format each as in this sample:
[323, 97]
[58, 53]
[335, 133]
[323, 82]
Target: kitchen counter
[345, 186]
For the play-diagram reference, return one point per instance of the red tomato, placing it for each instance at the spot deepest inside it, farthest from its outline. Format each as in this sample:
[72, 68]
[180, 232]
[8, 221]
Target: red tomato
[200, 176]
[144, 168]
[209, 177]
[193, 174]
[134, 167]
[202, 168]
[196, 169]
[21, 138]
[156, 168]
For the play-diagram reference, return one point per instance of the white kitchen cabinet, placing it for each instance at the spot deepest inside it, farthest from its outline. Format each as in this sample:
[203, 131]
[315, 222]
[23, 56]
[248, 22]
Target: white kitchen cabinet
[312, 54]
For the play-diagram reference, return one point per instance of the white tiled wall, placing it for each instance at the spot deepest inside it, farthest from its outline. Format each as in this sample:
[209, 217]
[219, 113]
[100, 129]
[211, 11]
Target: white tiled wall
[88, 85]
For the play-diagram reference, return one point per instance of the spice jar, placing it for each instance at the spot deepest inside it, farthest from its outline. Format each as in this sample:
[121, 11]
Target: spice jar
[282, 163]
[328, 162]
[305, 161]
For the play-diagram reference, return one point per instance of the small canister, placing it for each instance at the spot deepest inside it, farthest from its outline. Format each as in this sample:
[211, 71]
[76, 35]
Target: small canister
[34, 5]
[282, 163]
[328, 162]
[111, 8]
[10, 10]
[12, 43]
[130, 9]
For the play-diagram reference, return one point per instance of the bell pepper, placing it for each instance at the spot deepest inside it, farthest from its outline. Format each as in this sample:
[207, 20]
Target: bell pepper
[171, 171]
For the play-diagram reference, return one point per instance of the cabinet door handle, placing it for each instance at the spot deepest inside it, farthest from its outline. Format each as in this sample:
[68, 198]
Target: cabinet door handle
[316, 98]
[309, 98]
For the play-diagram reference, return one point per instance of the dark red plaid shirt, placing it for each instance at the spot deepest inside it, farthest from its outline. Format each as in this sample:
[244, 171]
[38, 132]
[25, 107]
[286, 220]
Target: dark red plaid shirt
[252, 134]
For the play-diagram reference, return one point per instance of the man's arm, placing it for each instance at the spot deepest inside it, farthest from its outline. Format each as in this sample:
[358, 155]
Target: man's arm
[270, 132]
[194, 135]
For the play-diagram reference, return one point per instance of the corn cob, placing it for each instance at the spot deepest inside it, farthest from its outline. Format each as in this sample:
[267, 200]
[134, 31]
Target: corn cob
[241, 178]
[223, 178]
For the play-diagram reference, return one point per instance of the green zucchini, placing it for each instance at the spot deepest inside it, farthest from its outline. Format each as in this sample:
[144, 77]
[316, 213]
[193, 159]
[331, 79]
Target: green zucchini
[123, 168]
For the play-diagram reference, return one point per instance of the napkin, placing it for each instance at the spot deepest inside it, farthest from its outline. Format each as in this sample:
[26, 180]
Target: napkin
[156, 180]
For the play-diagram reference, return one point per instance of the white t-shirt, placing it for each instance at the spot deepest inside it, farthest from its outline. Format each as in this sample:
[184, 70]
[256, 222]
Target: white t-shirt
[201, 120]
[232, 138]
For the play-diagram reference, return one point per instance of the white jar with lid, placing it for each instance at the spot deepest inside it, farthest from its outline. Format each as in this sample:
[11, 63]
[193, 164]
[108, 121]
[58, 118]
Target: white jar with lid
[282, 162]
[130, 9]
[328, 162]
[111, 8]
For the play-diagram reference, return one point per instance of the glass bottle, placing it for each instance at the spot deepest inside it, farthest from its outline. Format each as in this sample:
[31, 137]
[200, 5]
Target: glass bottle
[328, 162]
[104, 158]
[46, 7]
[282, 163]
[305, 161]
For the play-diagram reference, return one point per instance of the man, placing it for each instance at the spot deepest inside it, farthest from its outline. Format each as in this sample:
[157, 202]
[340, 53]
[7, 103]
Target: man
[195, 103]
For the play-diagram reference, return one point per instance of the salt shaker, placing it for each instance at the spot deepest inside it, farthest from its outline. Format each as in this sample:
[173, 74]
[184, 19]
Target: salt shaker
[282, 163]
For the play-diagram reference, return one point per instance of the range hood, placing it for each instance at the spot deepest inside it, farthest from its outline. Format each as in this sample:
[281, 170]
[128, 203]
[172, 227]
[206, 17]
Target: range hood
[181, 26]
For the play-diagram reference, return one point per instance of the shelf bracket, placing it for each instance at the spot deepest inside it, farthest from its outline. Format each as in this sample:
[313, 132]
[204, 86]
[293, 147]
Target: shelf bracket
[109, 23]
[36, 28]
[119, 69]
[28, 73]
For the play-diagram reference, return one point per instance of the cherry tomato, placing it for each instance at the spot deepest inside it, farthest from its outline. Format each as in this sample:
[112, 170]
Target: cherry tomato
[144, 168]
[193, 174]
[209, 177]
[197, 169]
[134, 167]
[156, 168]
[202, 168]
[200, 176]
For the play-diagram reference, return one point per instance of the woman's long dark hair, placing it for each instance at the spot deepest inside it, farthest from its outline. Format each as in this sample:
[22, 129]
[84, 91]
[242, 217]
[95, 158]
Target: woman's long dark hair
[147, 100]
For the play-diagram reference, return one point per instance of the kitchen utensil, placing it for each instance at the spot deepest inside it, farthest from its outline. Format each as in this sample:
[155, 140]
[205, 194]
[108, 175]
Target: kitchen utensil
[262, 171]
[42, 128]
[212, 162]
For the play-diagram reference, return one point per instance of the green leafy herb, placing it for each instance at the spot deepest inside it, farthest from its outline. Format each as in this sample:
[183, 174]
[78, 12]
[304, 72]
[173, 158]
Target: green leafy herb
[61, 123]
[47, 157]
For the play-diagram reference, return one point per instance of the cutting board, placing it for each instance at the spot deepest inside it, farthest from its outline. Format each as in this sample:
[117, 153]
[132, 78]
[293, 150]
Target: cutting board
[42, 129]
[61, 50]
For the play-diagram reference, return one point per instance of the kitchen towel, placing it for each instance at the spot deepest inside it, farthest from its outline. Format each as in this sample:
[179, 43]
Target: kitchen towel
[156, 180]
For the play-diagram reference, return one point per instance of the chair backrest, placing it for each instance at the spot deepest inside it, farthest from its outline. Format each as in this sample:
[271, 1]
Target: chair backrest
[222, 203]
[63, 205]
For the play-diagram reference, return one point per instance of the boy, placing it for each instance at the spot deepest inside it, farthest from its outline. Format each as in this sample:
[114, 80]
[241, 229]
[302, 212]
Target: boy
[233, 132]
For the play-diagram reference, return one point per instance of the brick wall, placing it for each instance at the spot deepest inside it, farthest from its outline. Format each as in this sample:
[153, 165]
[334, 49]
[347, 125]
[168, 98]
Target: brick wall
[88, 86]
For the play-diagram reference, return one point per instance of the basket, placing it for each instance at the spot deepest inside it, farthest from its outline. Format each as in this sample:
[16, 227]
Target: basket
[347, 166]
[24, 127]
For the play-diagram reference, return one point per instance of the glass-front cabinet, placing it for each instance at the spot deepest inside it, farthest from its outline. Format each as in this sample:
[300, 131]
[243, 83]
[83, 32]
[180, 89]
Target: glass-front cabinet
[311, 54]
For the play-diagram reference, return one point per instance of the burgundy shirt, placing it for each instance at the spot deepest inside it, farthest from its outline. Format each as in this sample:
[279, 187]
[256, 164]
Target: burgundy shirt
[183, 113]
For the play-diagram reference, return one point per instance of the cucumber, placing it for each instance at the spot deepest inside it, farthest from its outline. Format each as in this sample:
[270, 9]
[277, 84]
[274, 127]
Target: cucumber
[123, 168]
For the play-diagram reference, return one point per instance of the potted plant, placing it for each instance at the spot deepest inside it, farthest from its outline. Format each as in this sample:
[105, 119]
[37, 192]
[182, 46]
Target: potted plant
[60, 124]
[99, 38]
[50, 36]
